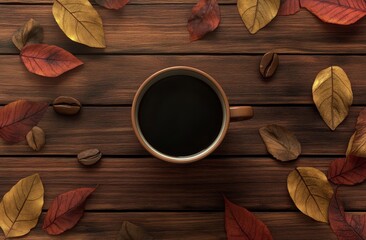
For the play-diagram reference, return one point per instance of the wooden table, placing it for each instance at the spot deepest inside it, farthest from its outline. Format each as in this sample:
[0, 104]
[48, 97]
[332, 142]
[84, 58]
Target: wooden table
[181, 201]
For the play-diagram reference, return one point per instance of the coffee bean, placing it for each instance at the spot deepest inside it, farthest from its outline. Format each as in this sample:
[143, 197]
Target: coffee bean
[89, 157]
[66, 105]
[36, 138]
[269, 64]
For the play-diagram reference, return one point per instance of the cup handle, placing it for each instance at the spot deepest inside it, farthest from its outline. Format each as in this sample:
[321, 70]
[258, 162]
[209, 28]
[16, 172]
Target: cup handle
[241, 113]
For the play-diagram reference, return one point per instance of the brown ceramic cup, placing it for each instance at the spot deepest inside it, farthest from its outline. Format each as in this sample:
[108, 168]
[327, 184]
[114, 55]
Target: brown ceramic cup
[237, 113]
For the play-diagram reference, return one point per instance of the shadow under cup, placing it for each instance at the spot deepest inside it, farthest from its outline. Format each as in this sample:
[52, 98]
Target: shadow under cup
[180, 114]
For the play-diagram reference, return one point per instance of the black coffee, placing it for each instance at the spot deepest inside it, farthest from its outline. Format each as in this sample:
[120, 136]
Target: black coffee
[180, 115]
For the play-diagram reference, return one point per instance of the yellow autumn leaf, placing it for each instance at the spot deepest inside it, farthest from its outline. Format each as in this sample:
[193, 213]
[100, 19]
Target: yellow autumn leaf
[357, 143]
[350, 144]
[256, 14]
[80, 22]
[21, 207]
[311, 192]
[332, 95]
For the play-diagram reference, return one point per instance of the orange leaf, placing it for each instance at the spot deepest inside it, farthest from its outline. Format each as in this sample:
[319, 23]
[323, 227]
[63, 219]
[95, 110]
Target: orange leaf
[112, 4]
[18, 118]
[66, 210]
[289, 7]
[342, 12]
[242, 224]
[205, 18]
[47, 60]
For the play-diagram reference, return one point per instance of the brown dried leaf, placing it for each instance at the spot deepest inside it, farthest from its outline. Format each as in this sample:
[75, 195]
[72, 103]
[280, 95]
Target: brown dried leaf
[358, 145]
[280, 142]
[311, 192]
[31, 32]
[205, 18]
[36, 138]
[112, 4]
[130, 231]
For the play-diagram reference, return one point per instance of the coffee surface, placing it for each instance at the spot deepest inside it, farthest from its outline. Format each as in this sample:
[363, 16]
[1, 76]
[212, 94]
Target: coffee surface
[180, 115]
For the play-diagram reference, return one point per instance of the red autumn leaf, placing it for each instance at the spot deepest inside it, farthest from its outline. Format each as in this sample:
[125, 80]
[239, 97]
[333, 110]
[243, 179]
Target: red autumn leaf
[18, 118]
[342, 12]
[345, 225]
[47, 60]
[112, 4]
[205, 18]
[242, 224]
[289, 7]
[347, 171]
[66, 210]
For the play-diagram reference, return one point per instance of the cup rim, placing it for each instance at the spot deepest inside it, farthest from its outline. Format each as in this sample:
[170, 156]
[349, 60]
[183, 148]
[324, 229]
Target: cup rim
[194, 157]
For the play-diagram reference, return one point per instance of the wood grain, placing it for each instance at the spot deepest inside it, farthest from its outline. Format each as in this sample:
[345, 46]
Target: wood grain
[238, 75]
[148, 184]
[188, 226]
[109, 129]
[181, 201]
[166, 33]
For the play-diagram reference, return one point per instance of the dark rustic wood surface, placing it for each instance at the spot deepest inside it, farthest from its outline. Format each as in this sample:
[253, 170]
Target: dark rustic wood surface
[145, 184]
[181, 201]
[187, 225]
[162, 27]
[238, 75]
[109, 128]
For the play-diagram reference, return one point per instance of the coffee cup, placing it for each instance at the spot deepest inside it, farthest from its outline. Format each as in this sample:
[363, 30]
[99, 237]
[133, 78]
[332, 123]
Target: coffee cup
[181, 114]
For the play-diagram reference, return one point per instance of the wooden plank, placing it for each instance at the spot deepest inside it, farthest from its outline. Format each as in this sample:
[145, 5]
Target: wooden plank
[239, 76]
[187, 226]
[148, 184]
[144, 29]
[110, 130]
